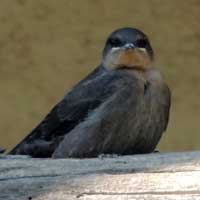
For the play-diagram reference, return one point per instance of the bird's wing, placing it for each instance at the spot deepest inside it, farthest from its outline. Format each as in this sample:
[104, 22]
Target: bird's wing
[111, 127]
[129, 121]
[63, 116]
[82, 100]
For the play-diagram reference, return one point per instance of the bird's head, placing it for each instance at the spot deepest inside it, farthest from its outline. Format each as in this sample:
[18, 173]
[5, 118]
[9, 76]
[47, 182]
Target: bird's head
[127, 48]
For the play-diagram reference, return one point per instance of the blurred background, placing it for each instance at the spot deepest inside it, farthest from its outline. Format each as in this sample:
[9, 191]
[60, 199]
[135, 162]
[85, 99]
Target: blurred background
[47, 46]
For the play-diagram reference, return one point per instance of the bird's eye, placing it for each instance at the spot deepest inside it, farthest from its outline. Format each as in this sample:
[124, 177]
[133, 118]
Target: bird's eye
[115, 42]
[141, 43]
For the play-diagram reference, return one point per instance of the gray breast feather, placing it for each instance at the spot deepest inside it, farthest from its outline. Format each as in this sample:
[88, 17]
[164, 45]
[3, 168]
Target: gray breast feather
[107, 128]
[128, 122]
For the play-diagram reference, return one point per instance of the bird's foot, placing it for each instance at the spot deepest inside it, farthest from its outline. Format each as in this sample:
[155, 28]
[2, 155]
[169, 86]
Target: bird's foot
[156, 151]
[102, 156]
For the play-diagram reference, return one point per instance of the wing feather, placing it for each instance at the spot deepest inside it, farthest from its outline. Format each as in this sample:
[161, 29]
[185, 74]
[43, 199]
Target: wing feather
[62, 118]
[68, 113]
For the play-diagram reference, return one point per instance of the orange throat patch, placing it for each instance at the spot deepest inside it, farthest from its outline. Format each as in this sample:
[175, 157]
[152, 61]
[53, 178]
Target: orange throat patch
[133, 59]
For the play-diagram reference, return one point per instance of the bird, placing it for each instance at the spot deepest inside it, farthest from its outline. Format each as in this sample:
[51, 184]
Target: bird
[122, 107]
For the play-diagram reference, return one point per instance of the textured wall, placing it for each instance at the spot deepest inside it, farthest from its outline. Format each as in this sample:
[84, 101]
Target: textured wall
[47, 46]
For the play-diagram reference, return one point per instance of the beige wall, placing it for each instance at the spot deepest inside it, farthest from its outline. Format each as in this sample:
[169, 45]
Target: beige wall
[47, 46]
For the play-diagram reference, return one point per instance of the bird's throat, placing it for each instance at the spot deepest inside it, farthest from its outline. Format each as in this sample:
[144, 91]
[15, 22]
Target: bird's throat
[132, 59]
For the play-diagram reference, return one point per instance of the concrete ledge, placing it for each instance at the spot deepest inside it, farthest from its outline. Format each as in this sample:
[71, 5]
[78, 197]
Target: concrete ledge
[151, 176]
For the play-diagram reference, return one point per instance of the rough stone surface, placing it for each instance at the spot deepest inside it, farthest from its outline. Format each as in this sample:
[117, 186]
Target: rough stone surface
[153, 176]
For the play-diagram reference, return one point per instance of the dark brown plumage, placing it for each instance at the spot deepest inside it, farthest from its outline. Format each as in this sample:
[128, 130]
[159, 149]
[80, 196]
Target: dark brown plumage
[2, 150]
[122, 107]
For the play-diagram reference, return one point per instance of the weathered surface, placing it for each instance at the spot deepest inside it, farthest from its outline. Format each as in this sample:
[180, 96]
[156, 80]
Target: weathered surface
[154, 176]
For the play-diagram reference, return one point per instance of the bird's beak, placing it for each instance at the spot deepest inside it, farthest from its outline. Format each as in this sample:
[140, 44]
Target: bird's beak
[129, 46]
